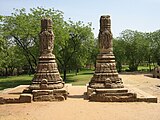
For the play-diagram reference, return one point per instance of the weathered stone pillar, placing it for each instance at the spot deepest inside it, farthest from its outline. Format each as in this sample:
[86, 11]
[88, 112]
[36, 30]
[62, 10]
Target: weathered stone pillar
[47, 84]
[105, 85]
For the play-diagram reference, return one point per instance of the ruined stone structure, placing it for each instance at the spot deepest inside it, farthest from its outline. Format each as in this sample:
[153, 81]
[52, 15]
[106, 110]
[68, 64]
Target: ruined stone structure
[47, 85]
[156, 72]
[105, 85]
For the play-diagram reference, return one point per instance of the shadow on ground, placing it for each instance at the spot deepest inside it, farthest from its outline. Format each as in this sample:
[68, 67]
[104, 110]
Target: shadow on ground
[149, 75]
[76, 96]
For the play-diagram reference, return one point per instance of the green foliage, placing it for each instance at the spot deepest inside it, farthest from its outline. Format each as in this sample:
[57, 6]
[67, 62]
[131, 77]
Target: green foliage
[119, 52]
[134, 47]
[73, 40]
[73, 50]
[22, 30]
[155, 45]
[74, 44]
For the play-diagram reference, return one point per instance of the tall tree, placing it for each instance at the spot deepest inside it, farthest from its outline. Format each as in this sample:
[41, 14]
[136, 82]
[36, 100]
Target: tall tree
[22, 29]
[119, 52]
[71, 38]
[135, 46]
[155, 45]
[72, 51]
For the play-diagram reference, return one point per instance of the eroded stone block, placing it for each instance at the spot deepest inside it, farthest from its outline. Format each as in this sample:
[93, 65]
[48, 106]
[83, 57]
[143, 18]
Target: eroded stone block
[25, 98]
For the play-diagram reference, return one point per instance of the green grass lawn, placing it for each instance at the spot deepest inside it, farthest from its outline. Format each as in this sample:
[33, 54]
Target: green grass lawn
[143, 68]
[140, 67]
[13, 81]
[82, 78]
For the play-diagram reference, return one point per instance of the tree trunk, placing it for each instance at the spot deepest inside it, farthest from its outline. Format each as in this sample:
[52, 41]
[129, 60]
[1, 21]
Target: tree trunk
[31, 70]
[64, 74]
[6, 72]
[27, 53]
[133, 67]
[90, 66]
[119, 66]
[158, 61]
[149, 64]
[12, 71]
[77, 71]
[18, 71]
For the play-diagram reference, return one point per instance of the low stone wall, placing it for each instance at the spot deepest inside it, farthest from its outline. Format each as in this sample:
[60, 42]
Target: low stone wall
[24, 98]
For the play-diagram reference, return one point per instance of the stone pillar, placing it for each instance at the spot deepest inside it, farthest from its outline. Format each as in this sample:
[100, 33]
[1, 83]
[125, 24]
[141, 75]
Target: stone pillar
[47, 84]
[105, 85]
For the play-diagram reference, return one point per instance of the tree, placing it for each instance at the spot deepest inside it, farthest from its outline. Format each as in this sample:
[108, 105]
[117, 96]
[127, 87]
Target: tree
[149, 50]
[155, 45]
[73, 49]
[71, 38]
[93, 51]
[22, 29]
[119, 52]
[135, 48]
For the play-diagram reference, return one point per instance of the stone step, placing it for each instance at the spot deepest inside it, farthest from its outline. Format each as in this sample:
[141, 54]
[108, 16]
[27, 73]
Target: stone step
[141, 95]
[118, 90]
[127, 94]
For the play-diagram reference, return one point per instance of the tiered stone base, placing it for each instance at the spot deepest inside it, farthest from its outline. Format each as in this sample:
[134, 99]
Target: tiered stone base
[47, 84]
[47, 75]
[105, 85]
[37, 95]
[50, 95]
[25, 95]
[110, 95]
[106, 75]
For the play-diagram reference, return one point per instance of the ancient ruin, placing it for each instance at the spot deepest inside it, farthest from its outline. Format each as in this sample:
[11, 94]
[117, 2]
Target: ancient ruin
[47, 84]
[105, 85]
[156, 72]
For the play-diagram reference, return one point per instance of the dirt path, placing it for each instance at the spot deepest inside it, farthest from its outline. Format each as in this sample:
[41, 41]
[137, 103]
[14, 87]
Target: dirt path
[144, 82]
[75, 108]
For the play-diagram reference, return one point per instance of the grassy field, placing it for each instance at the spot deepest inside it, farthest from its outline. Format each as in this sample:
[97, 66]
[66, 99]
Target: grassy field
[140, 68]
[82, 78]
[13, 81]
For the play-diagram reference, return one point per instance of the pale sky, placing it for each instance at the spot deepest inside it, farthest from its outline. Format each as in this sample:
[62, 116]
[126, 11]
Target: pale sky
[141, 15]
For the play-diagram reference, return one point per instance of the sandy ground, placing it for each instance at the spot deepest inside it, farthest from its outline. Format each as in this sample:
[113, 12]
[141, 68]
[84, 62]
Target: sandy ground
[75, 108]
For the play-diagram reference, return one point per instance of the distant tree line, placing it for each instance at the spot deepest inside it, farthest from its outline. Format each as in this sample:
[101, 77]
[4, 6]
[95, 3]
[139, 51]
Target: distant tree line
[134, 48]
[74, 45]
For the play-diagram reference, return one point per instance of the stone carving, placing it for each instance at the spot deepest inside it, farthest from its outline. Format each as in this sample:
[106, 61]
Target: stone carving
[105, 34]
[106, 75]
[47, 76]
[46, 37]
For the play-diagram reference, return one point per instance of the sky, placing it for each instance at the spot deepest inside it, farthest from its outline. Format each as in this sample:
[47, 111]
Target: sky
[140, 15]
